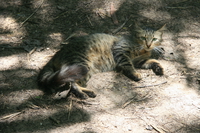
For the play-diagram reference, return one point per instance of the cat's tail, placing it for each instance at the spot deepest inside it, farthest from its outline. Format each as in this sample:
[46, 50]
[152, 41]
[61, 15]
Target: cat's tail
[49, 80]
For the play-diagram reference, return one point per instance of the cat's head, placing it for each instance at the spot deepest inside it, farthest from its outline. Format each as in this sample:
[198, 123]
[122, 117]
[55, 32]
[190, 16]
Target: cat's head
[149, 38]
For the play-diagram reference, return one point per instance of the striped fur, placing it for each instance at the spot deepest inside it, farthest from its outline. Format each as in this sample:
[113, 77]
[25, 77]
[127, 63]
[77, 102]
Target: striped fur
[77, 61]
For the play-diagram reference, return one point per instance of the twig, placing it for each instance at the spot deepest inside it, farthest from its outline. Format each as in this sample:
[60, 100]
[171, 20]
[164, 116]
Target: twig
[60, 15]
[120, 27]
[70, 108]
[150, 85]
[32, 14]
[54, 120]
[157, 129]
[65, 13]
[65, 42]
[179, 7]
[112, 13]
[133, 100]
[73, 34]
[10, 116]
[33, 106]
[30, 53]
[89, 21]
[127, 103]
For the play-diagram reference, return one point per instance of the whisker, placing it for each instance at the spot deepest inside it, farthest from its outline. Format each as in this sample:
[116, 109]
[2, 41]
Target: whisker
[160, 51]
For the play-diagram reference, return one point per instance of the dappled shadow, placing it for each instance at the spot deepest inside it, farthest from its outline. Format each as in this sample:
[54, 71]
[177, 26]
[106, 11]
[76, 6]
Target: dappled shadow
[42, 122]
[54, 21]
[188, 128]
[37, 111]
[184, 18]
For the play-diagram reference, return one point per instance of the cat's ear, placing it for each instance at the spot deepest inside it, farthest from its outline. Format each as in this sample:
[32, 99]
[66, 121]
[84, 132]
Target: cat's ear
[163, 28]
[137, 28]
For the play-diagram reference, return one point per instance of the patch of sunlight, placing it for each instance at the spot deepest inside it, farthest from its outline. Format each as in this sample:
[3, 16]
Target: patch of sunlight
[54, 39]
[56, 36]
[179, 100]
[105, 9]
[10, 29]
[8, 62]
[8, 23]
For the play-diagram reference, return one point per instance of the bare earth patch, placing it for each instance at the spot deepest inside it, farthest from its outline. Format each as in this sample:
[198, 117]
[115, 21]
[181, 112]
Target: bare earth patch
[32, 31]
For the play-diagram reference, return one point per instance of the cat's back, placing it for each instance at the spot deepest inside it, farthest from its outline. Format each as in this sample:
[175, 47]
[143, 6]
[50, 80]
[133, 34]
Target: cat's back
[100, 39]
[95, 39]
[87, 48]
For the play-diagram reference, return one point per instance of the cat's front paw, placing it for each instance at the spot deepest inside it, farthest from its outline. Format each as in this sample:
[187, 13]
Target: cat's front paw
[137, 76]
[134, 76]
[157, 69]
[91, 94]
[83, 96]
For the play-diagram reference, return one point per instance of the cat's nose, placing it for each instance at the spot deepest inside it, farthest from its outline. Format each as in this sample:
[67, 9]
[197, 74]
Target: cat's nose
[148, 46]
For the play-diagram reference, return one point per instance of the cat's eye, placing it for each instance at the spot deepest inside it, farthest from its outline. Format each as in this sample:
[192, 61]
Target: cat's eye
[142, 38]
[155, 39]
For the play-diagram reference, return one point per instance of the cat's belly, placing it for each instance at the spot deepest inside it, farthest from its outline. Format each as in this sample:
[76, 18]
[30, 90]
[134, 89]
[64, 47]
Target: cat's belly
[99, 64]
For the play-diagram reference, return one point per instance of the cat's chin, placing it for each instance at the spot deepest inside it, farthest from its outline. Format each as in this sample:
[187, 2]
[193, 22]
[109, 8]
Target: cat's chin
[148, 49]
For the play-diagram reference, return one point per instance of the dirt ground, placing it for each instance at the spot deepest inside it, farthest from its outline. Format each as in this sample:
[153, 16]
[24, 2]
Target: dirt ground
[31, 31]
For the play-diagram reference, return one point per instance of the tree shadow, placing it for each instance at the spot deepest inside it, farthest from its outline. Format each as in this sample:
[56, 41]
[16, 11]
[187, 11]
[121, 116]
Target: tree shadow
[66, 18]
[43, 123]
[184, 15]
[189, 128]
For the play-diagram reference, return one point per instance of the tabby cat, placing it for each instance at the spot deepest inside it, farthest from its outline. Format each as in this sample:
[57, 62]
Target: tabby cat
[73, 65]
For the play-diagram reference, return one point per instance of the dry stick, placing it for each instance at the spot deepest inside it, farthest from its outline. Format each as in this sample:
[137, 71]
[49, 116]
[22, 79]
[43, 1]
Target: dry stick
[54, 120]
[150, 85]
[10, 116]
[179, 7]
[120, 27]
[157, 129]
[33, 106]
[127, 103]
[30, 53]
[64, 43]
[65, 13]
[89, 21]
[131, 100]
[70, 108]
[60, 15]
[32, 14]
[112, 13]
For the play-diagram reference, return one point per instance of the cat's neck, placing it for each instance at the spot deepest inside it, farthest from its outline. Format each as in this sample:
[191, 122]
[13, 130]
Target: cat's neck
[143, 51]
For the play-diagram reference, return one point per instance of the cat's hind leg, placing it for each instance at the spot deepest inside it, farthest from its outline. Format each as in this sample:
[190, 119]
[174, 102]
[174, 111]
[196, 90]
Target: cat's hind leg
[82, 92]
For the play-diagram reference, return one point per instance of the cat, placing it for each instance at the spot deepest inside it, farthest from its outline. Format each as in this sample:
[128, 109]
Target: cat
[73, 65]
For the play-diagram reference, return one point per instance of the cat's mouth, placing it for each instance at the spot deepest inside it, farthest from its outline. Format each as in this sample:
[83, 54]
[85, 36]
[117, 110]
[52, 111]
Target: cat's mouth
[147, 49]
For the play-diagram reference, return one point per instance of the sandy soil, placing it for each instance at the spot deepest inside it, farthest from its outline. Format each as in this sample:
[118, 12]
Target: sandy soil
[31, 31]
